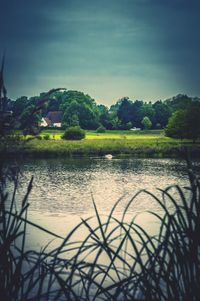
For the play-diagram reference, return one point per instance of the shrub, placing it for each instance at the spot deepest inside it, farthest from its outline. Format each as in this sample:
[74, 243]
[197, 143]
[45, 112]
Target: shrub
[146, 122]
[46, 137]
[74, 133]
[101, 129]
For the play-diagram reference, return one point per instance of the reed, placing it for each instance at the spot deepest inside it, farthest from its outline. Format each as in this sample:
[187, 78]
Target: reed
[117, 259]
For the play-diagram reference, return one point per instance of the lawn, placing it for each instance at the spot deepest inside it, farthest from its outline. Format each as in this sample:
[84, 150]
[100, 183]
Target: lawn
[141, 143]
[91, 135]
[152, 143]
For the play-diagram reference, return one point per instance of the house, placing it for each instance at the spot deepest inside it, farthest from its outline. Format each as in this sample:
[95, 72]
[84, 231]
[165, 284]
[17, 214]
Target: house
[45, 122]
[53, 118]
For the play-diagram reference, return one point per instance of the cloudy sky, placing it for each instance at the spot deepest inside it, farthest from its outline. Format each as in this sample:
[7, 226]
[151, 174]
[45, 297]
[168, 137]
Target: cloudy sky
[144, 49]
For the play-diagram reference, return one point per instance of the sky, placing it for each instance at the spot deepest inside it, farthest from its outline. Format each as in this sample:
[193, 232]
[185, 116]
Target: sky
[109, 49]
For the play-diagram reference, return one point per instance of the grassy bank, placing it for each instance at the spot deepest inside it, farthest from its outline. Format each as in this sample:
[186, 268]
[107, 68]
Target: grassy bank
[143, 143]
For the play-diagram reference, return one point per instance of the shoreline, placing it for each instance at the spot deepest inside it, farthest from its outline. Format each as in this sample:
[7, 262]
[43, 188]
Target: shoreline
[86, 148]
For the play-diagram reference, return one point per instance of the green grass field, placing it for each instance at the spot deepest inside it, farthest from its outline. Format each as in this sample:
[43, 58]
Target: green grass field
[91, 135]
[141, 143]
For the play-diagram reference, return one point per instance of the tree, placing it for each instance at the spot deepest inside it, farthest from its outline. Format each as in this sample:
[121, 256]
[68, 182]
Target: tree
[124, 112]
[104, 117]
[135, 113]
[81, 108]
[176, 127]
[19, 105]
[116, 123]
[146, 122]
[71, 114]
[178, 102]
[30, 120]
[147, 110]
[162, 113]
[193, 121]
[185, 123]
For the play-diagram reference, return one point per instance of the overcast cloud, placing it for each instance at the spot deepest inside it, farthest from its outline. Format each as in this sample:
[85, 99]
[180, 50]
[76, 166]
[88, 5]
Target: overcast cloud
[145, 49]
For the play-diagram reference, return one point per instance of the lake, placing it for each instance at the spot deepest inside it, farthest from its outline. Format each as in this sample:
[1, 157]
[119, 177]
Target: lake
[63, 189]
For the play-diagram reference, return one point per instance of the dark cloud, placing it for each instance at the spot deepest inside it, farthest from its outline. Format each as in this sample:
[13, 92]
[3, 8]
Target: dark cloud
[144, 48]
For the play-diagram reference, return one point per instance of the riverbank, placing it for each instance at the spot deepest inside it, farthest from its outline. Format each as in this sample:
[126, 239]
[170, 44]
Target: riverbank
[139, 147]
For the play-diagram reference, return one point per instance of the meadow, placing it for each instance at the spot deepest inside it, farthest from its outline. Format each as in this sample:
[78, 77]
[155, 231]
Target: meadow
[135, 143]
[114, 134]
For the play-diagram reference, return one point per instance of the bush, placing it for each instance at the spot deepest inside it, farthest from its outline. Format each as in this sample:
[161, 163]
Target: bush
[34, 137]
[185, 123]
[101, 129]
[146, 122]
[46, 137]
[74, 133]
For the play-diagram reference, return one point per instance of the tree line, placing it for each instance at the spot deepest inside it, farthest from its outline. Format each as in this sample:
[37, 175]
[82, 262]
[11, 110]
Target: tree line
[179, 115]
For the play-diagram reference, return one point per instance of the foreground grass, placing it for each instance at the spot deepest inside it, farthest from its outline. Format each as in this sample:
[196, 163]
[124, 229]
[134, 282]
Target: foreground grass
[116, 260]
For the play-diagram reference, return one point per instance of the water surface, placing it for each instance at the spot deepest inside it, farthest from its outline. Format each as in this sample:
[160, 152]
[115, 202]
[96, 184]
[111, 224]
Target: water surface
[68, 186]
[63, 189]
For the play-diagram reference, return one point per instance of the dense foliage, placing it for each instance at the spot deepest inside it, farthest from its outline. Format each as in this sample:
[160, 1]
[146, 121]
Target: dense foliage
[146, 122]
[74, 133]
[185, 123]
[79, 109]
[101, 129]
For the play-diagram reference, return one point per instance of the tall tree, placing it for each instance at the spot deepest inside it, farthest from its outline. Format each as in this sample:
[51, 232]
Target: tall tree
[135, 113]
[162, 113]
[82, 108]
[104, 117]
[30, 121]
[124, 112]
[185, 123]
[147, 110]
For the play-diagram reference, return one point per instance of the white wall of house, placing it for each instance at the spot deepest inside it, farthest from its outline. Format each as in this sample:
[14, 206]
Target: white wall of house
[57, 125]
[44, 123]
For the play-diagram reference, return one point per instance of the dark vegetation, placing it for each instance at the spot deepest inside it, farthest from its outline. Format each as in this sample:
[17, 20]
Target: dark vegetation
[164, 266]
[74, 133]
[77, 109]
[185, 123]
[179, 116]
[139, 265]
[101, 129]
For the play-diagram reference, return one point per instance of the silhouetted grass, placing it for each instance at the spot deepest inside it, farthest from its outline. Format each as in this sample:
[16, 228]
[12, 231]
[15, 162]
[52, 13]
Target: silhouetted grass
[117, 259]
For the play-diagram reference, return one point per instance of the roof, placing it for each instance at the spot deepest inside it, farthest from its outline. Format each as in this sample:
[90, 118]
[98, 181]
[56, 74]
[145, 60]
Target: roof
[54, 116]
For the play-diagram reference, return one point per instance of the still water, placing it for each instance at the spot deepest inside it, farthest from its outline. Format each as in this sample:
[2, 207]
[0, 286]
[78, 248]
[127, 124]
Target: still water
[63, 189]
[68, 186]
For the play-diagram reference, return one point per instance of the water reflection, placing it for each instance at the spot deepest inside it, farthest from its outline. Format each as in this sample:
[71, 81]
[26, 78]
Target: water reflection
[66, 185]
[63, 190]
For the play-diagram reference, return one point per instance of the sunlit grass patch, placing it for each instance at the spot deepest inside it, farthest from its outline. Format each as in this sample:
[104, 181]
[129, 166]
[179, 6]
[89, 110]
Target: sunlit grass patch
[146, 144]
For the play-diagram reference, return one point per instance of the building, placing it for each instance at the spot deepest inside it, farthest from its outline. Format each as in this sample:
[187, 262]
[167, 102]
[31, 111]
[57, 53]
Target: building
[53, 118]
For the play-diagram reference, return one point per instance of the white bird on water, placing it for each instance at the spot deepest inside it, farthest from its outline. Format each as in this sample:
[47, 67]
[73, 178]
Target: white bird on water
[108, 156]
